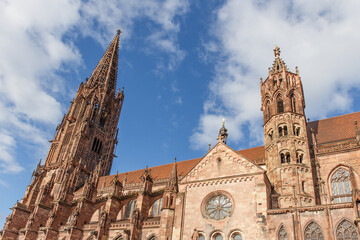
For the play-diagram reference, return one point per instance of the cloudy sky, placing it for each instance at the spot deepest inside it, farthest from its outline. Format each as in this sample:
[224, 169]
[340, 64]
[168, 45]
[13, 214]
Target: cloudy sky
[184, 65]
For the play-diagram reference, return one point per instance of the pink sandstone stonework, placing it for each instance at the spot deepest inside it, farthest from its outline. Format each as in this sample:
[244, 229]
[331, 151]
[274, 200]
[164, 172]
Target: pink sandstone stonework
[302, 184]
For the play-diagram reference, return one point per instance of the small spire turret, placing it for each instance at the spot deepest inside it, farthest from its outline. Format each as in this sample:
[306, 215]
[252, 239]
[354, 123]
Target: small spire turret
[222, 133]
[172, 184]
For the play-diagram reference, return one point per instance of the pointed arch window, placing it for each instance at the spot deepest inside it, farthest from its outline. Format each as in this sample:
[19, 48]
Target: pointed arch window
[130, 208]
[282, 235]
[313, 232]
[293, 103]
[127, 210]
[280, 105]
[156, 208]
[346, 231]
[267, 110]
[341, 186]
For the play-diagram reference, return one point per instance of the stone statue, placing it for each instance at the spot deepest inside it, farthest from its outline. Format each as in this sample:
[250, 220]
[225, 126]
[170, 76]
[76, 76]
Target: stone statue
[103, 216]
[195, 235]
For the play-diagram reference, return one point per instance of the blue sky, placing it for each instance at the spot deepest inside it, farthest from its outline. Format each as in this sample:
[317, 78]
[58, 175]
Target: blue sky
[184, 65]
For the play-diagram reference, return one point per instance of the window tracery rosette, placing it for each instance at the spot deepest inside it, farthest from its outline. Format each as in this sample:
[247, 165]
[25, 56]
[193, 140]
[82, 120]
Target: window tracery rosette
[217, 206]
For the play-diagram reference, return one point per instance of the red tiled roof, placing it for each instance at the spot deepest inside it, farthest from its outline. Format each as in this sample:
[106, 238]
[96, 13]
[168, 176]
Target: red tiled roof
[326, 130]
[158, 172]
[254, 154]
[183, 167]
[335, 128]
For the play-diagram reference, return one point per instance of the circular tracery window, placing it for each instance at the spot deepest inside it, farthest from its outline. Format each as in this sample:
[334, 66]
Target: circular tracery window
[218, 207]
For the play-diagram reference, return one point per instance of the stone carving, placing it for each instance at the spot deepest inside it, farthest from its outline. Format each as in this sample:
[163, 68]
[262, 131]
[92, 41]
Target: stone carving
[337, 147]
[103, 216]
[195, 235]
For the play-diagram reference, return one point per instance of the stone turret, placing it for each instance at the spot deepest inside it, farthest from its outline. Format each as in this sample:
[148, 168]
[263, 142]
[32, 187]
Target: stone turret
[287, 154]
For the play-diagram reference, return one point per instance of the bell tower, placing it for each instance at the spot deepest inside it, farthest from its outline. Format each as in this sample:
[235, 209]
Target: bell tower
[87, 135]
[81, 151]
[287, 153]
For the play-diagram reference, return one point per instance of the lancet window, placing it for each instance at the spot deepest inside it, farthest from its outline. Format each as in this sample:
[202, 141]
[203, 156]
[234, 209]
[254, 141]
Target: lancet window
[267, 110]
[341, 186]
[280, 105]
[293, 103]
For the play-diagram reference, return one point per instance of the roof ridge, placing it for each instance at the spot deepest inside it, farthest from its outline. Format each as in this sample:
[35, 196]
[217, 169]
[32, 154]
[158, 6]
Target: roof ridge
[335, 116]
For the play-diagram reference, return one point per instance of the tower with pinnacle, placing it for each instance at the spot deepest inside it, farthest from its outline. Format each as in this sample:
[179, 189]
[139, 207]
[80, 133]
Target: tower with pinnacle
[287, 155]
[81, 152]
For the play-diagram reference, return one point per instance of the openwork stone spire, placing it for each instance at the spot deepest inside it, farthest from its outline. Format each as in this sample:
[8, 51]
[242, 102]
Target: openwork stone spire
[105, 72]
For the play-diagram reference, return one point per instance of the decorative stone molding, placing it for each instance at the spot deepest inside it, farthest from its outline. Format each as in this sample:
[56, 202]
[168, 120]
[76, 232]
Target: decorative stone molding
[339, 147]
[221, 181]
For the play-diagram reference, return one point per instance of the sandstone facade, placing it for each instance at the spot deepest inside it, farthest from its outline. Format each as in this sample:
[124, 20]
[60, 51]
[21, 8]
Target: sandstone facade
[302, 184]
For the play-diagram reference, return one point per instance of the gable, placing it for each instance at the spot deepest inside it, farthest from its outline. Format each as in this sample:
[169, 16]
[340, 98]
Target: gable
[221, 162]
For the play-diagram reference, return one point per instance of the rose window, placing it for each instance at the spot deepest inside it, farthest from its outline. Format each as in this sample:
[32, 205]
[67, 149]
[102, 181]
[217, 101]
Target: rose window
[218, 207]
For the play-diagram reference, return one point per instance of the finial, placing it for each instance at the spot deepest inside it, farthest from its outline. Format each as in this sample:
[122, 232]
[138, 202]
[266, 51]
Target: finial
[297, 70]
[223, 121]
[118, 31]
[125, 178]
[175, 160]
[209, 146]
[357, 132]
[277, 51]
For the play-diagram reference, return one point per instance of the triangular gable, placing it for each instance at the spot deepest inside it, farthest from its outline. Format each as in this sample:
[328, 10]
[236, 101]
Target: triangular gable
[221, 161]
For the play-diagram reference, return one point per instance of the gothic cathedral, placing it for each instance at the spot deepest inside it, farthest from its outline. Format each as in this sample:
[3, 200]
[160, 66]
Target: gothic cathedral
[303, 184]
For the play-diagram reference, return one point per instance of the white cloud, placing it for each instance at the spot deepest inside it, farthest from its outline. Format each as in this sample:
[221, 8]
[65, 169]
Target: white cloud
[37, 42]
[32, 50]
[320, 37]
[101, 18]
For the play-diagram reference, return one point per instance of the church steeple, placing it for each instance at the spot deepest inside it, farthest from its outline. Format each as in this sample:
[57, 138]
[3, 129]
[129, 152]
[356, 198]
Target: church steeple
[81, 152]
[105, 73]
